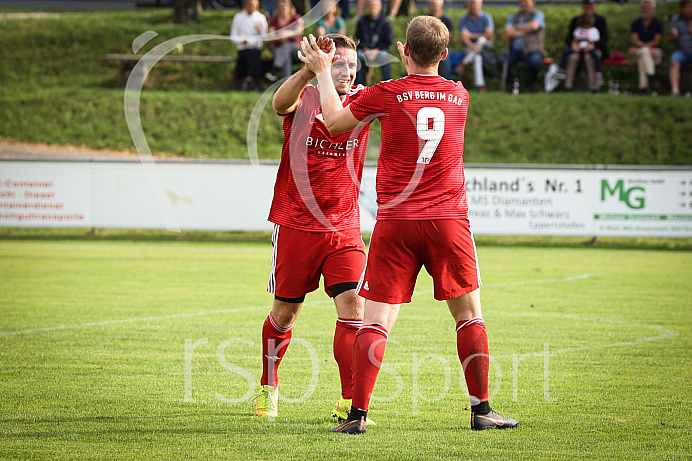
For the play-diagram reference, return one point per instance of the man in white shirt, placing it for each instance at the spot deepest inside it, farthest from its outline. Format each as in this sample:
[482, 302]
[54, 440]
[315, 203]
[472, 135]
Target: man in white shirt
[247, 31]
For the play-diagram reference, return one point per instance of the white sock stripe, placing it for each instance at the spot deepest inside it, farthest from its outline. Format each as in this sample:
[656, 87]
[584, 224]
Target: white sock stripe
[470, 322]
[376, 328]
[276, 325]
[348, 322]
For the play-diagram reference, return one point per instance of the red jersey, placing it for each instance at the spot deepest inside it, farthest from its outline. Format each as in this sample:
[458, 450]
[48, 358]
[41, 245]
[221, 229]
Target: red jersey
[318, 182]
[420, 171]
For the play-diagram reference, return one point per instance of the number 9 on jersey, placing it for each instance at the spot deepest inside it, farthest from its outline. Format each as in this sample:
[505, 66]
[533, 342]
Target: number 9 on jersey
[430, 126]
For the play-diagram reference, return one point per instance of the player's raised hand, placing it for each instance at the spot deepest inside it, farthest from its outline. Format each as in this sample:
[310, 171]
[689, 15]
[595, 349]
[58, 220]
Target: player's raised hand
[325, 44]
[402, 52]
[314, 57]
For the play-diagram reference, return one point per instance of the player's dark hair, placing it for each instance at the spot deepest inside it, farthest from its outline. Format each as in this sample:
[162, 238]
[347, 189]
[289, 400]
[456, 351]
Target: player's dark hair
[684, 2]
[427, 38]
[342, 41]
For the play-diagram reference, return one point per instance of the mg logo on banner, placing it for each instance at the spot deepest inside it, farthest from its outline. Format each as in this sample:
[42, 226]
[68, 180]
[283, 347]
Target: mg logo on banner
[632, 197]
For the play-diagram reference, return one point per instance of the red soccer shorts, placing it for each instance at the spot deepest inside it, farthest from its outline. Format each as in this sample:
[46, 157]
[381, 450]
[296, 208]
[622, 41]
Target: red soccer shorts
[300, 257]
[398, 249]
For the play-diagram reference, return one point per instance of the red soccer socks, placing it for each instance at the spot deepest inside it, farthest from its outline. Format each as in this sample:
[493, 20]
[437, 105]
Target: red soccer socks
[368, 352]
[472, 345]
[344, 337]
[275, 341]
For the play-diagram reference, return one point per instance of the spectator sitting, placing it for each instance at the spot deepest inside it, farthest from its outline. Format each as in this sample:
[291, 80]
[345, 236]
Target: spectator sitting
[525, 34]
[286, 29]
[680, 34]
[374, 33]
[394, 7]
[246, 32]
[645, 36]
[477, 30]
[584, 47]
[331, 22]
[436, 10]
[599, 53]
[343, 5]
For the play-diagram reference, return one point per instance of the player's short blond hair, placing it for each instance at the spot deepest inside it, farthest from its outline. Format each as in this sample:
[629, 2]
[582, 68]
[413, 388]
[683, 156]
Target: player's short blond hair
[427, 38]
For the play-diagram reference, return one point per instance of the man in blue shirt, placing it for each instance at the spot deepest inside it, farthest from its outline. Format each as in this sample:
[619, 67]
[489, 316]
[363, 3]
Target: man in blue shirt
[681, 35]
[525, 34]
[645, 36]
[477, 30]
[375, 35]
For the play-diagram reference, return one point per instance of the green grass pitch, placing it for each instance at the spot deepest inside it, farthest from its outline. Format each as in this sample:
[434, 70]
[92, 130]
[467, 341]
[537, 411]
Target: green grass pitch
[147, 349]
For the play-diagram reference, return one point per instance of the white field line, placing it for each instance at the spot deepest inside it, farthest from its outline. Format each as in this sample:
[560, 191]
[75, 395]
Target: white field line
[240, 309]
[664, 333]
[139, 319]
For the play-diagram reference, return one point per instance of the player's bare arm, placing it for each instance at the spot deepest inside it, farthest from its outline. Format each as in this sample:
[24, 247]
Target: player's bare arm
[337, 118]
[287, 97]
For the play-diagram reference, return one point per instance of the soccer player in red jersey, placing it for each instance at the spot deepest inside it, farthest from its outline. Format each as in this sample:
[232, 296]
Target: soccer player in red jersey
[422, 217]
[316, 221]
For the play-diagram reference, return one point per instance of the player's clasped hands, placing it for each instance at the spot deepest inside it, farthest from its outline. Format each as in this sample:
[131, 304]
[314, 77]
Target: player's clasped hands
[317, 54]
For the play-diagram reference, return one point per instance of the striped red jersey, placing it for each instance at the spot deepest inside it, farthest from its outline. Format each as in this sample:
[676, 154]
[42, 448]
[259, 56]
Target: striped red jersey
[420, 171]
[318, 181]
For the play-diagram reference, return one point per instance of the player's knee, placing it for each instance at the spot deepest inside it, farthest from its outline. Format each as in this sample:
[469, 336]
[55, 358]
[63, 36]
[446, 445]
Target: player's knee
[285, 310]
[348, 303]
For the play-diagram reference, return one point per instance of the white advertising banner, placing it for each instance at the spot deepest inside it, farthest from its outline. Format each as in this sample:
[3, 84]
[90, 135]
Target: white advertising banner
[232, 196]
[45, 195]
[580, 202]
[174, 195]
